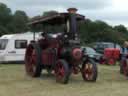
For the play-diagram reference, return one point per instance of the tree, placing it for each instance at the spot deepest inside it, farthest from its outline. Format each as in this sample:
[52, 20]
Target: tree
[5, 18]
[19, 22]
[121, 28]
[96, 31]
[3, 30]
[5, 14]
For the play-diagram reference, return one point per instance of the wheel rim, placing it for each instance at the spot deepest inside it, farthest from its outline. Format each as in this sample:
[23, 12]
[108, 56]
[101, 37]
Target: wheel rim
[30, 60]
[88, 71]
[60, 71]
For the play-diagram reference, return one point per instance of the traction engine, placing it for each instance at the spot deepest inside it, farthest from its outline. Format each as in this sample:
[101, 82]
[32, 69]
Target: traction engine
[59, 52]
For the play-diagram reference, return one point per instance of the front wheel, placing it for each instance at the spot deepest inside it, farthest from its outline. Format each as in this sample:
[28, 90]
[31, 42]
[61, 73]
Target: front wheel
[62, 71]
[89, 71]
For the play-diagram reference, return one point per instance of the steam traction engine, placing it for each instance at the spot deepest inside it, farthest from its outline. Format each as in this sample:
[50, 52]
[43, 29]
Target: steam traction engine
[59, 52]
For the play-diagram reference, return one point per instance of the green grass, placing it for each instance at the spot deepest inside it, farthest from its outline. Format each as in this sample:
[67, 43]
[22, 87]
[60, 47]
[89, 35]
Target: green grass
[14, 82]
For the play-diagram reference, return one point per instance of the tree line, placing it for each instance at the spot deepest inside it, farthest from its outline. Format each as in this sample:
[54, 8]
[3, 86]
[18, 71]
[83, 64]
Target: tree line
[12, 22]
[90, 31]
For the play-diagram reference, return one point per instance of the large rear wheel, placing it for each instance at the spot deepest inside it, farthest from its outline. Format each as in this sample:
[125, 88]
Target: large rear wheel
[62, 71]
[33, 60]
[89, 71]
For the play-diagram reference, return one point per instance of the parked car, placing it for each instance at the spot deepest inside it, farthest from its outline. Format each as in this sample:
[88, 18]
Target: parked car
[92, 53]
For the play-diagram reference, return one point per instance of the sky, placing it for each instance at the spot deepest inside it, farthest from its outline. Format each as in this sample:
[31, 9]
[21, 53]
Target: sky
[114, 12]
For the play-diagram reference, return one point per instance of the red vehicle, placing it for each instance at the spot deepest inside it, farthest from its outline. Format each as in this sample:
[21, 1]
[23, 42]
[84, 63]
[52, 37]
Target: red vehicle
[111, 55]
[59, 52]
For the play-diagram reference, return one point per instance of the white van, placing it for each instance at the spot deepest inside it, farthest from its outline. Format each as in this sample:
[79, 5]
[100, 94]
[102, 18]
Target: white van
[12, 47]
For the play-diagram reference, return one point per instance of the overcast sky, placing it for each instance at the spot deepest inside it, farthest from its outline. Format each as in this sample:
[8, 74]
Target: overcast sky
[113, 12]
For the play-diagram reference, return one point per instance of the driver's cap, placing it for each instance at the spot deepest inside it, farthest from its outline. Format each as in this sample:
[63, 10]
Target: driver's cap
[72, 10]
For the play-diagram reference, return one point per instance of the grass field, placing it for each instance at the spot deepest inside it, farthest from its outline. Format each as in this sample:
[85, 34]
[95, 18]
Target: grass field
[14, 82]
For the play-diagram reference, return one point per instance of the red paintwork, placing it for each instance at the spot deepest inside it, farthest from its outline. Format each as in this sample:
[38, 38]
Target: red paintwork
[111, 61]
[48, 57]
[59, 71]
[30, 57]
[43, 43]
[77, 53]
[111, 55]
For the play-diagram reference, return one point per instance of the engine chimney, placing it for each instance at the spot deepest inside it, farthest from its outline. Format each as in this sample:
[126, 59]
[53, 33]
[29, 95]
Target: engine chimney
[72, 26]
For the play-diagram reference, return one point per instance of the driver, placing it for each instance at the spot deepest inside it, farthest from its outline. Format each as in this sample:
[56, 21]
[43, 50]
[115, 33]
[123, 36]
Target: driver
[44, 40]
[43, 35]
